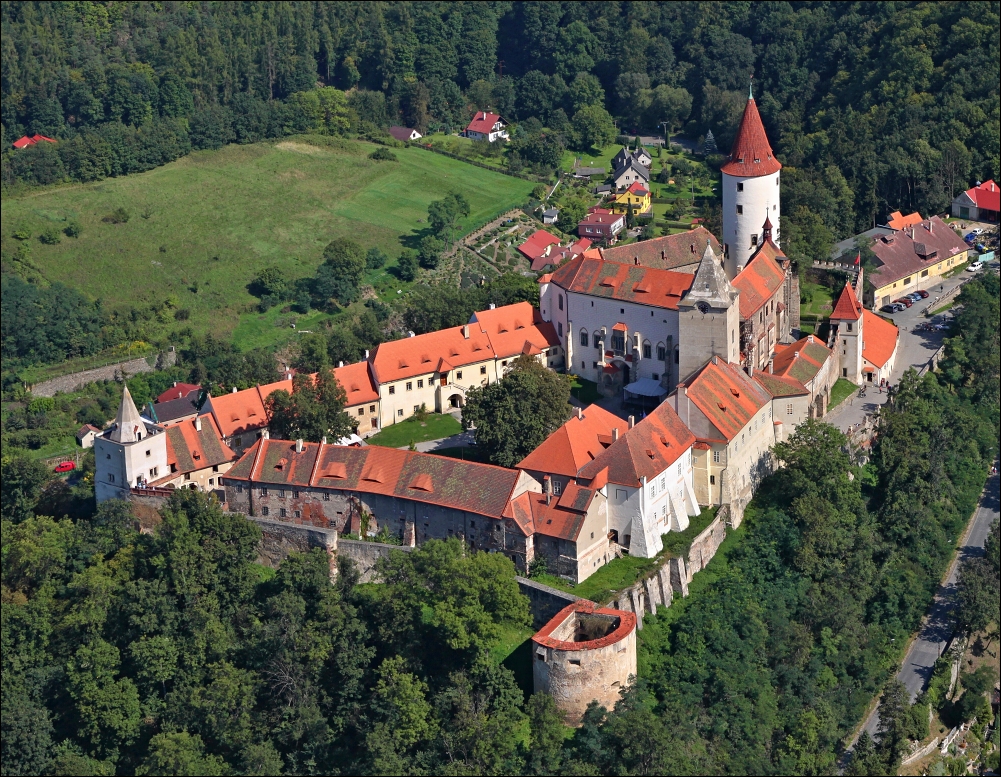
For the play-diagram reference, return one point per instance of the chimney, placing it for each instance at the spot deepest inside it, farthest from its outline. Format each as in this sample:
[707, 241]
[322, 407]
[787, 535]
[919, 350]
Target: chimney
[579, 413]
[632, 421]
[771, 366]
[465, 331]
[234, 389]
[298, 445]
[750, 369]
[340, 364]
[547, 488]
[366, 354]
[411, 333]
[636, 260]
[795, 354]
[931, 226]
[198, 423]
[492, 306]
[615, 433]
[175, 384]
[266, 435]
[323, 440]
[809, 338]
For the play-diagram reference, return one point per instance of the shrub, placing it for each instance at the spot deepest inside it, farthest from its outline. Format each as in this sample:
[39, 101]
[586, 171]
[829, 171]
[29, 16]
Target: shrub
[50, 236]
[22, 233]
[117, 216]
[383, 155]
[72, 229]
[182, 315]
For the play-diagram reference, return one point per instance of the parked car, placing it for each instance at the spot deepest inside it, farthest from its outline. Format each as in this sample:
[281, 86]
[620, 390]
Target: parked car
[923, 294]
[65, 466]
[904, 301]
[898, 307]
[889, 308]
[914, 297]
[969, 238]
[974, 267]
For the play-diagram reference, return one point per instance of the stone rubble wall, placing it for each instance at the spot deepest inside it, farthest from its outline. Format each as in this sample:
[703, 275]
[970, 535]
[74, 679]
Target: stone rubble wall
[120, 370]
[673, 577]
[544, 602]
[279, 539]
[366, 555]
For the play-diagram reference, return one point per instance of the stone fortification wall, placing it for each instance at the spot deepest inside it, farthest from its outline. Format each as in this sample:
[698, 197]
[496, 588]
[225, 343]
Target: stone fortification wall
[673, 577]
[544, 602]
[279, 539]
[366, 554]
[126, 369]
[586, 653]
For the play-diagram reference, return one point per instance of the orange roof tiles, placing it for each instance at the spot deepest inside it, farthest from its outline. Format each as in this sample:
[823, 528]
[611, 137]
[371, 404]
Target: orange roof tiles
[847, 307]
[356, 380]
[555, 519]
[879, 339]
[726, 395]
[758, 283]
[751, 155]
[626, 624]
[628, 282]
[189, 449]
[510, 328]
[899, 221]
[463, 485]
[801, 360]
[644, 451]
[575, 444]
[420, 355]
[239, 412]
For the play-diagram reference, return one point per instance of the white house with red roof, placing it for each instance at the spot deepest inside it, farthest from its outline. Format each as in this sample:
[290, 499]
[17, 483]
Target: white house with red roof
[979, 203]
[750, 191]
[486, 126]
[864, 343]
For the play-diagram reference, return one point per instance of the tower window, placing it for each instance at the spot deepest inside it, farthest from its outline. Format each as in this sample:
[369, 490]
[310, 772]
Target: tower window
[740, 187]
[754, 240]
[561, 302]
[147, 453]
[740, 209]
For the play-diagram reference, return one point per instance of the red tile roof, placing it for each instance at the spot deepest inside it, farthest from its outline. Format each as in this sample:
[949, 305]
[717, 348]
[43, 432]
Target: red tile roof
[483, 122]
[626, 625]
[801, 360]
[25, 141]
[515, 329]
[758, 283]
[632, 283]
[535, 246]
[356, 380]
[563, 517]
[847, 307]
[423, 354]
[177, 391]
[577, 443]
[190, 450]
[638, 188]
[422, 477]
[912, 249]
[879, 339]
[897, 220]
[243, 411]
[727, 397]
[751, 155]
[600, 216]
[644, 451]
[987, 195]
[665, 253]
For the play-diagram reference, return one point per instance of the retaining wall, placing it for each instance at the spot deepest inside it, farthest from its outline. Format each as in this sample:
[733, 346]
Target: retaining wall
[126, 369]
[279, 539]
[365, 555]
[544, 602]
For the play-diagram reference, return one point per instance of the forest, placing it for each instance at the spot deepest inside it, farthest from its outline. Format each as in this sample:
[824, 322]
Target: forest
[173, 652]
[871, 107]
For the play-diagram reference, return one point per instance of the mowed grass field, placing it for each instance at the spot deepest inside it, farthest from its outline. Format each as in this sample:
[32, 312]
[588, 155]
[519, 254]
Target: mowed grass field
[202, 227]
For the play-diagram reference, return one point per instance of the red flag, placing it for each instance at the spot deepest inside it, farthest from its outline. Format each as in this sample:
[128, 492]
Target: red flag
[858, 259]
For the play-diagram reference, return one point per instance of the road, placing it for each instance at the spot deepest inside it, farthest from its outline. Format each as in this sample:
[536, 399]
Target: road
[937, 627]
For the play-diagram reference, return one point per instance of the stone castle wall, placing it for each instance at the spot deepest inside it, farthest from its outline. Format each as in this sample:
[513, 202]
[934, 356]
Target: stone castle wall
[120, 370]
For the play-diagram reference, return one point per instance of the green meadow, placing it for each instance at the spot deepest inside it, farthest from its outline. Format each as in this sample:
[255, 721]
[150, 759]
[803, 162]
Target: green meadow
[202, 227]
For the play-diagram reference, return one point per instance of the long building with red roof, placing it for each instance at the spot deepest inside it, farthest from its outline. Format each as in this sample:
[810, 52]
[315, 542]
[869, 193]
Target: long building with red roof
[979, 203]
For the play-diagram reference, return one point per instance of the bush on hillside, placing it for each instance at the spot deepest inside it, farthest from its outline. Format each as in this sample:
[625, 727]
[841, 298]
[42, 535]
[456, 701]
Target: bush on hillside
[383, 155]
[117, 216]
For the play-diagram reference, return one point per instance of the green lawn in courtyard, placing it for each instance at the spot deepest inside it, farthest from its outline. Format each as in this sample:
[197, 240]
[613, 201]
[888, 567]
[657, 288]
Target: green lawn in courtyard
[434, 427]
[840, 392]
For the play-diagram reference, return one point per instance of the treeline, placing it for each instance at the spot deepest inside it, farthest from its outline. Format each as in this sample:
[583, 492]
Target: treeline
[872, 107]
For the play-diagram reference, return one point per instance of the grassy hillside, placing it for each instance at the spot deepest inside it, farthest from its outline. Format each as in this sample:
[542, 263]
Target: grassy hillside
[202, 227]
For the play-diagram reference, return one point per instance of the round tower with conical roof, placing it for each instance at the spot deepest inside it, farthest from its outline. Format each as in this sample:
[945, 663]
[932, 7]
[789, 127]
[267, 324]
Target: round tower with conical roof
[750, 191]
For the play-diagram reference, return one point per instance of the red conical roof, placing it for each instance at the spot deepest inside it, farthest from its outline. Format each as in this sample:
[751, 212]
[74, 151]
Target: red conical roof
[847, 306]
[750, 154]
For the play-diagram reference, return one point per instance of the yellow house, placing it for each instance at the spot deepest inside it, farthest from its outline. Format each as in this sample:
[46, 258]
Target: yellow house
[914, 258]
[636, 195]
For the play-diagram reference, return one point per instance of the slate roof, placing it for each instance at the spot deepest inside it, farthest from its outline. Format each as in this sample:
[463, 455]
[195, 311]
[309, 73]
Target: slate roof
[173, 409]
[801, 360]
[422, 477]
[757, 283]
[879, 339]
[630, 283]
[751, 155]
[912, 249]
[577, 443]
[640, 170]
[646, 450]
[726, 395]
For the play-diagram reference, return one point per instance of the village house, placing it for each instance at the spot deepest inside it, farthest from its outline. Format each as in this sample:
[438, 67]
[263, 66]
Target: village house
[681, 252]
[85, 435]
[404, 134]
[913, 258]
[543, 249]
[486, 126]
[25, 141]
[629, 173]
[637, 195]
[979, 203]
[812, 365]
[601, 224]
[625, 156]
[550, 216]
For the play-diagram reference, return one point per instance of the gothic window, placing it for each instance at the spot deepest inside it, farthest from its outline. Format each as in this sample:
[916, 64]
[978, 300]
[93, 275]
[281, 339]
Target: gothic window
[583, 337]
[661, 352]
[754, 240]
[646, 350]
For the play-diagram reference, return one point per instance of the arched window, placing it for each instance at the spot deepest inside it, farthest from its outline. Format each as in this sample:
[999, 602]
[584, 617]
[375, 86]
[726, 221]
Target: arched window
[647, 349]
[583, 337]
[561, 302]
[661, 352]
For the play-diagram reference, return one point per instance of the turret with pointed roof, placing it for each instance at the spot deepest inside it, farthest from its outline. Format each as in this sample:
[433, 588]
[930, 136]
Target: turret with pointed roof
[129, 425]
[708, 318]
[131, 452]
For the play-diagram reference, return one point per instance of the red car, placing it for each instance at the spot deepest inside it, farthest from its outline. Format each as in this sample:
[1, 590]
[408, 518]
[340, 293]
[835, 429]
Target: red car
[904, 301]
[65, 466]
[923, 293]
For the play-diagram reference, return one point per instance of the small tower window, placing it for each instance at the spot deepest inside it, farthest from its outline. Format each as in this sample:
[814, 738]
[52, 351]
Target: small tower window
[740, 209]
[740, 187]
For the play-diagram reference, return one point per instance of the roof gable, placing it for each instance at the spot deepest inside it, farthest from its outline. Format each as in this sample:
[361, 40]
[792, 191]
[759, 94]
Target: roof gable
[726, 396]
[575, 444]
[626, 282]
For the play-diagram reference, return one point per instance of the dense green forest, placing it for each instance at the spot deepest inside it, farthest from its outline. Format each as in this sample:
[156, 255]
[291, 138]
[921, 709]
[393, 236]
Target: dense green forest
[871, 106]
[172, 652]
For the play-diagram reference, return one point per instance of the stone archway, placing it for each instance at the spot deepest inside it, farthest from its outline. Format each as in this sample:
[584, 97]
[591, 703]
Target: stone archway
[456, 401]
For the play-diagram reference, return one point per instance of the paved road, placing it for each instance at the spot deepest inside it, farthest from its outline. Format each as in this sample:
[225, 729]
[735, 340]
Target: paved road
[934, 634]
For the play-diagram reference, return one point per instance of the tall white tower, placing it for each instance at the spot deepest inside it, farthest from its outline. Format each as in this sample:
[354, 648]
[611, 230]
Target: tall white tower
[708, 318]
[750, 191]
[130, 452]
